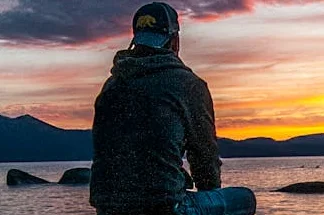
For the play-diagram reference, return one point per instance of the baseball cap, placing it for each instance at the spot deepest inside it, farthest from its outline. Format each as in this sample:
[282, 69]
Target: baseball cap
[154, 25]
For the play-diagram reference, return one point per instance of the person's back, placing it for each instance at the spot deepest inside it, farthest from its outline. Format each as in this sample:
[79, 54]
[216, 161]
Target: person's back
[148, 113]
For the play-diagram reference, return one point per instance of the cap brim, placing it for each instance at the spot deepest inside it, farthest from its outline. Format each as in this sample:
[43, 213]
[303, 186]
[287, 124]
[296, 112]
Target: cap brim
[151, 39]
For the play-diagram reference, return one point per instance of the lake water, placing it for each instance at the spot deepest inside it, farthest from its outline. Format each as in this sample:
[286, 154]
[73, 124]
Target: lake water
[260, 174]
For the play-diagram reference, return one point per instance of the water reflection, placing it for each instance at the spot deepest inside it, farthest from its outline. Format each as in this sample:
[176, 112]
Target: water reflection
[260, 174]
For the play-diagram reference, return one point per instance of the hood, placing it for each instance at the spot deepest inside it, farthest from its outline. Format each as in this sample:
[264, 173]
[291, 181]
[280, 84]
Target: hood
[128, 64]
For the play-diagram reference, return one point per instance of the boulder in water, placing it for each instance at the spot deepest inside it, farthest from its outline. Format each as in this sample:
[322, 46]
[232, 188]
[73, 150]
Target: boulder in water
[18, 177]
[76, 176]
[304, 188]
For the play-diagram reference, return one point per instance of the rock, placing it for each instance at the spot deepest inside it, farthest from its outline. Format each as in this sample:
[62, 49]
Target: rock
[76, 176]
[304, 188]
[18, 177]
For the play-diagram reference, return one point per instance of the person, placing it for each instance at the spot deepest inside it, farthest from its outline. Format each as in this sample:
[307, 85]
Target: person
[150, 112]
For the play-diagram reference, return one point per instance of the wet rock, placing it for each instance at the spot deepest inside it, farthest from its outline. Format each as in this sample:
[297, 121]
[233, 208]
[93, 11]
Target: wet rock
[304, 188]
[76, 176]
[18, 177]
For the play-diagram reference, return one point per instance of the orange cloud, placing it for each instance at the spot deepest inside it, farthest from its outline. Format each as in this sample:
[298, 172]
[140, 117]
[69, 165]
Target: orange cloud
[270, 121]
[207, 18]
[279, 119]
[63, 115]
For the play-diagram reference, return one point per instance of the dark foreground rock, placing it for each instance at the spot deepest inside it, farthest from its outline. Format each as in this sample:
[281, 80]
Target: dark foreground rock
[304, 188]
[76, 176]
[18, 177]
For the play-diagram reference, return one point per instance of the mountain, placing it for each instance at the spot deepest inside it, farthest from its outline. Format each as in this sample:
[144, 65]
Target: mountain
[26, 138]
[309, 145]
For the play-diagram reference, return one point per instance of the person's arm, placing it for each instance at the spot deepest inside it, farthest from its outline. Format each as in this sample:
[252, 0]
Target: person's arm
[98, 126]
[202, 149]
[98, 167]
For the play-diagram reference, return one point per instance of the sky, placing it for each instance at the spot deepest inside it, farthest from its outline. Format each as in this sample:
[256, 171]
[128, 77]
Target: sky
[263, 60]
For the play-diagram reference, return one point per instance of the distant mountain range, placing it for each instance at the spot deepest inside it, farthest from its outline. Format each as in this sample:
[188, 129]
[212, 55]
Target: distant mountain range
[309, 145]
[27, 138]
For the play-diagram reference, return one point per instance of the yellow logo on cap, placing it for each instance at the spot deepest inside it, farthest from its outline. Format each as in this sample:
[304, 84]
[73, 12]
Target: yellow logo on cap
[145, 21]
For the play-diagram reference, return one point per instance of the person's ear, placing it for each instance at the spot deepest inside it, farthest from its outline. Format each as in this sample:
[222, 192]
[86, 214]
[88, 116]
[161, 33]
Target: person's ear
[175, 44]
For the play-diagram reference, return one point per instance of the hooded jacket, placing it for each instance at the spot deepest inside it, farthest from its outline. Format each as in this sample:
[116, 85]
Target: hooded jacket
[150, 111]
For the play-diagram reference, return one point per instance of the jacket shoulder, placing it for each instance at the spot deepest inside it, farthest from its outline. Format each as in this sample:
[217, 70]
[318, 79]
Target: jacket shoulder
[187, 74]
[110, 82]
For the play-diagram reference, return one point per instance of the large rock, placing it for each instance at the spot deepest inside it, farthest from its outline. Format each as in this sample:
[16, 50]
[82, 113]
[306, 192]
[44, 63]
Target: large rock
[304, 188]
[76, 176]
[18, 177]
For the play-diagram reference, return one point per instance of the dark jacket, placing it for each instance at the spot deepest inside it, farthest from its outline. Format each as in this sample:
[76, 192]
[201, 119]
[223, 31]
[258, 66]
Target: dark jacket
[148, 113]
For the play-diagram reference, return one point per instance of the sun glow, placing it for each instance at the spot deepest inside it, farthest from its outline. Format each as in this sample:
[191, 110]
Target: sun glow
[275, 132]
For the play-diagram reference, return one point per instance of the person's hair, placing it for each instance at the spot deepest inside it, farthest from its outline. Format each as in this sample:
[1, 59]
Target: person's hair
[168, 44]
[142, 50]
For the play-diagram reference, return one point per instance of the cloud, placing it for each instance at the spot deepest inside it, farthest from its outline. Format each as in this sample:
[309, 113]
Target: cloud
[232, 113]
[64, 22]
[273, 121]
[60, 75]
[62, 115]
[211, 10]
[77, 22]
[80, 21]
[78, 83]
[66, 92]
[288, 2]
[6, 5]
[312, 19]
[77, 91]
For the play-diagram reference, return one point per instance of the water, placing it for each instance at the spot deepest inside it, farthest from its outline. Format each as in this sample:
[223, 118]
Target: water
[260, 174]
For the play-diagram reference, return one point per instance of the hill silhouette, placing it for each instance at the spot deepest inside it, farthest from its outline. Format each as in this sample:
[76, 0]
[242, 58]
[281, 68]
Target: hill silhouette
[308, 145]
[27, 138]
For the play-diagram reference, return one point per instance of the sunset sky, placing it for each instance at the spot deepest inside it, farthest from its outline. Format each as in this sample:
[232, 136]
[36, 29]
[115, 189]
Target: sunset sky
[263, 60]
